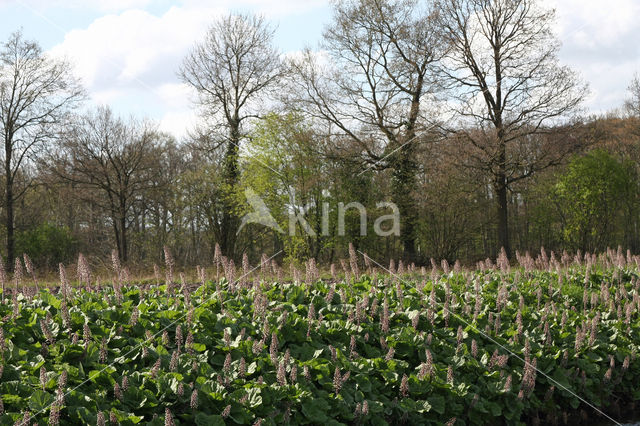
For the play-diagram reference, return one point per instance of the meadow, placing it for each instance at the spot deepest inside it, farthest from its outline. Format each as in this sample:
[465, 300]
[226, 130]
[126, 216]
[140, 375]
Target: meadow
[551, 339]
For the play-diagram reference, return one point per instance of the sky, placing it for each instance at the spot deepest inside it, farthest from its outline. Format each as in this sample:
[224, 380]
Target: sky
[127, 52]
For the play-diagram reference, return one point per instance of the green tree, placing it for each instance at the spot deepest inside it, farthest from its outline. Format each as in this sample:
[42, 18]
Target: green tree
[282, 167]
[592, 196]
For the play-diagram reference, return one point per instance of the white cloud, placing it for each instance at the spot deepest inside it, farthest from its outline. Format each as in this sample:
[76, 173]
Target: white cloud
[135, 50]
[178, 123]
[599, 41]
[180, 114]
[106, 96]
[130, 60]
[595, 22]
[134, 47]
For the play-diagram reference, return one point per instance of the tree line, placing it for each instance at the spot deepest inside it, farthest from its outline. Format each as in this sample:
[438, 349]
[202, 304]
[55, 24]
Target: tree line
[457, 112]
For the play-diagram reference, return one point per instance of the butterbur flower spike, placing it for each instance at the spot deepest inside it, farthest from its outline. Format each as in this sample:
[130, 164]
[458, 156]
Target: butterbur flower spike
[225, 413]
[281, 375]
[226, 367]
[156, 368]
[117, 392]
[103, 351]
[337, 380]
[243, 367]
[507, 384]
[168, 417]
[173, 364]
[43, 378]
[62, 381]
[194, 400]
[404, 386]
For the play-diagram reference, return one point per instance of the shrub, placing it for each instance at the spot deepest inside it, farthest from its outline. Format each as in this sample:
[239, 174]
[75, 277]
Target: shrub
[47, 245]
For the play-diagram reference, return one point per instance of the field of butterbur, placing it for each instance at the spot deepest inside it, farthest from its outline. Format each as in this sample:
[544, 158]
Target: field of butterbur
[552, 340]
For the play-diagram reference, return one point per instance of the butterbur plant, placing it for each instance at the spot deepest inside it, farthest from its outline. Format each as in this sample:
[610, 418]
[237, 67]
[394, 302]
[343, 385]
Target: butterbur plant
[337, 380]
[353, 261]
[306, 372]
[169, 265]
[135, 314]
[173, 364]
[507, 384]
[189, 343]
[179, 337]
[54, 414]
[43, 378]
[390, 354]
[529, 377]
[384, 321]
[273, 348]
[281, 374]
[84, 271]
[225, 413]
[226, 368]
[103, 351]
[46, 331]
[193, 402]
[156, 368]
[64, 312]
[168, 417]
[17, 273]
[404, 386]
[117, 392]
[30, 269]
[314, 351]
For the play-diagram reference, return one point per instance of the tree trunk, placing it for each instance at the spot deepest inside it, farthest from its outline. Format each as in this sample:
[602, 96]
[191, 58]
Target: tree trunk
[503, 216]
[404, 171]
[9, 205]
[123, 238]
[10, 224]
[116, 232]
[229, 222]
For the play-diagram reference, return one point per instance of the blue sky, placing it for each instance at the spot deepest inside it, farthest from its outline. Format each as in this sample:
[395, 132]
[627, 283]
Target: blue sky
[127, 51]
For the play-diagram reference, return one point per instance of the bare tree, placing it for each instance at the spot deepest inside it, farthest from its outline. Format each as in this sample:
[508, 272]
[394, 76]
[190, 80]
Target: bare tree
[632, 104]
[117, 161]
[505, 75]
[36, 93]
[373, 89]
[232, 70]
